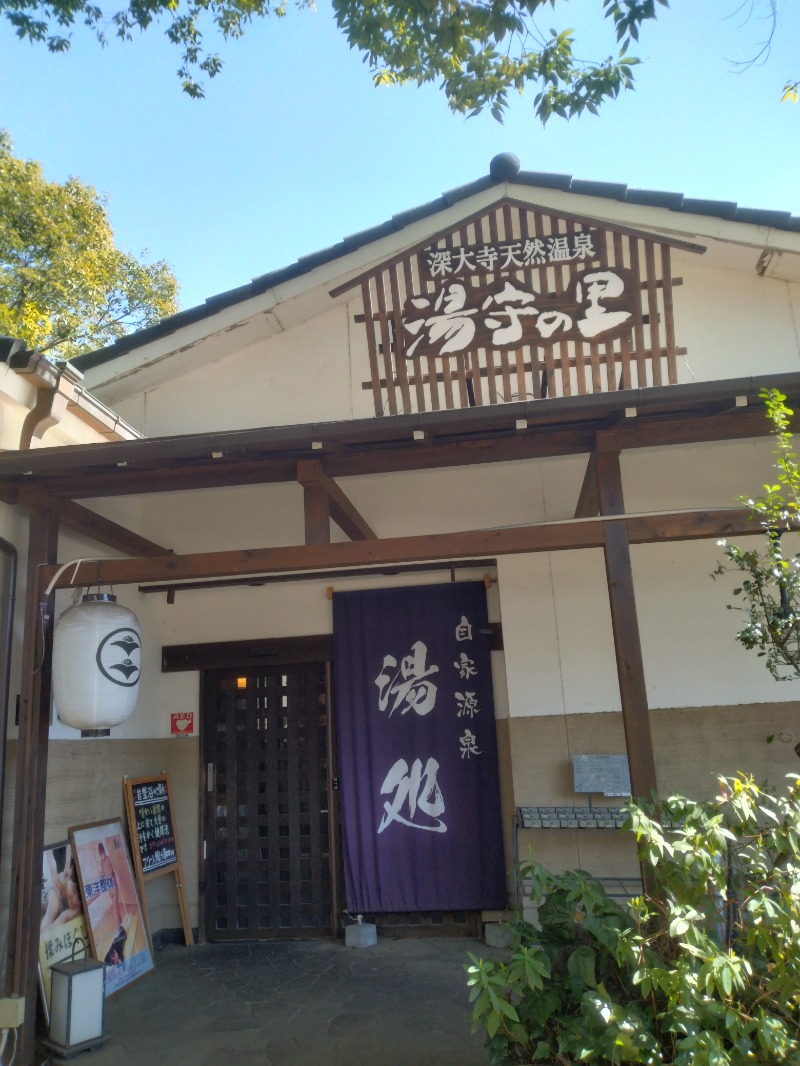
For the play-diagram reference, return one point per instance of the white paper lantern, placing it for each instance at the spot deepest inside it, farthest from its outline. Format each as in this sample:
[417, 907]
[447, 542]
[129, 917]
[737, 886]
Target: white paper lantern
[96, 664]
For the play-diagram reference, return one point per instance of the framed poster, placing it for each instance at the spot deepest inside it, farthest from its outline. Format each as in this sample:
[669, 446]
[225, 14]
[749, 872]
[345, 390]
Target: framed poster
[63, 936]
[114, 915]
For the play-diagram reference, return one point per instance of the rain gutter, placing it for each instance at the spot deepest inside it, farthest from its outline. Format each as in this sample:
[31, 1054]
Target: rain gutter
[59, 390]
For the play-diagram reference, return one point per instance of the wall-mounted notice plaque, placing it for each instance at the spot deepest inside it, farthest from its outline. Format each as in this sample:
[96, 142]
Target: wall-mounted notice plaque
[608, 774]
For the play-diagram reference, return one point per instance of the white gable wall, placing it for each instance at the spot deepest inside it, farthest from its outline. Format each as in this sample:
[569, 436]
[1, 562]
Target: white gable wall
[294, 355]
[733, 325]
[300, 375]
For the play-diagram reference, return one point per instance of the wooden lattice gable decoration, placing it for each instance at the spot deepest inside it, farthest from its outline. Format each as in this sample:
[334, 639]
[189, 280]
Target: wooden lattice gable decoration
[519, 302]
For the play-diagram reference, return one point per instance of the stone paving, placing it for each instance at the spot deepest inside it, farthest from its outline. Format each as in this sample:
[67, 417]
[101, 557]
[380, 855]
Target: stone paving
[297, 1003]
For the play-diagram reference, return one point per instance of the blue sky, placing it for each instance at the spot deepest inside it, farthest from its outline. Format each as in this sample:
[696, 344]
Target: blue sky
[293, 148]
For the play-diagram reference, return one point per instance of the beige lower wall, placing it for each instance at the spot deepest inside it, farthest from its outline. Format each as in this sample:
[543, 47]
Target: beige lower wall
[692, 746]
[84, 784]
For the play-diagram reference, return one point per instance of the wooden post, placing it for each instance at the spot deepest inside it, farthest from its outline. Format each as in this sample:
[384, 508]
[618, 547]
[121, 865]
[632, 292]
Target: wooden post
[334, 814]
[31, 779]
[317, 515]
[316, 502]
[625, 623]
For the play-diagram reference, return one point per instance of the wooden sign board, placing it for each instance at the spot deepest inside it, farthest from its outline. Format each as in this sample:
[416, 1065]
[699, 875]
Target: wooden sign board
[154, 842]
[519, 302]
[151, 824]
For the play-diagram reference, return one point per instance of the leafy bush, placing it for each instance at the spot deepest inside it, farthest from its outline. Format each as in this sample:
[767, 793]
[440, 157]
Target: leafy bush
[770, 572]
[705, 971]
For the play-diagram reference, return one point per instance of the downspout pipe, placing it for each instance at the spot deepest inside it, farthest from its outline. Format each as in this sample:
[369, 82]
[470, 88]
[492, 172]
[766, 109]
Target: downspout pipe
[8, 591]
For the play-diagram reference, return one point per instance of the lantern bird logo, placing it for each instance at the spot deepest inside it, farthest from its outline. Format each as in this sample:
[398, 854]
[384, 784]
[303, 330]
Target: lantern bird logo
[125, 671]
[127, 644]
[126, 667]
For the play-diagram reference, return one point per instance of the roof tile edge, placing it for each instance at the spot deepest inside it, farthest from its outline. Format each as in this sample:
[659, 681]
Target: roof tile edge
[677, 202]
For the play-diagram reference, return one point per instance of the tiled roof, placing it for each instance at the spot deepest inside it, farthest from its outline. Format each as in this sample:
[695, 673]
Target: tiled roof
[671, 201]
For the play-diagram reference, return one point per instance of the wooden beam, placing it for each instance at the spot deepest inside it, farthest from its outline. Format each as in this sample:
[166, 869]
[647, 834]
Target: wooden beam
[31, 776]
[552, 536]
[481, 435]
[310, 474]
[90, 524]
[230, 654]
[97, 482]
[393, 570]
[625, 625]
[233, 654]
[675, 414]
[588, 501]
[271, 442]
[731, 424]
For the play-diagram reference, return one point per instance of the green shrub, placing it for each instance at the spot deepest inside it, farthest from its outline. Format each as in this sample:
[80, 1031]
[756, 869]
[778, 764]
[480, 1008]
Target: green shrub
[705, 971]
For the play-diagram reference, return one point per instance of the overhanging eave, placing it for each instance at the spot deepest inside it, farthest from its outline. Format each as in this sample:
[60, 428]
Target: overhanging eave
[674, 414]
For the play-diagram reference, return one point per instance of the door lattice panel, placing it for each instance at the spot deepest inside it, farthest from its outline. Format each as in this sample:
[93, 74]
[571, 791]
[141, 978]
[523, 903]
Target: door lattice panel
[268, 859]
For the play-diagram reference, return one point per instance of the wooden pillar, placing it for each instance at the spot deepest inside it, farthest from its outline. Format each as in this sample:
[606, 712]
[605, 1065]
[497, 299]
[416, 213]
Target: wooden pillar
[31, 777]
[317, 511]
[625, 623]
[316, 501]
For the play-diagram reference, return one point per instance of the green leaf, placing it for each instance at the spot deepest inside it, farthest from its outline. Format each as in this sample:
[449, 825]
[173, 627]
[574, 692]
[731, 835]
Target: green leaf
[65, 287]
[581, 965]
[678, 927]
[506, 1009]
[475, 52]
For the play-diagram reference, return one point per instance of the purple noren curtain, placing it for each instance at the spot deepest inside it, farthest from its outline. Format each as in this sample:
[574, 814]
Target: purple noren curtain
[417, 750]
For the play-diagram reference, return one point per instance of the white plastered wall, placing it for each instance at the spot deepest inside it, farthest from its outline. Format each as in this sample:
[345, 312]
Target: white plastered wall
[556, 617]
[734, 324]
[272, 516]
[554, 606]
[311, 372]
